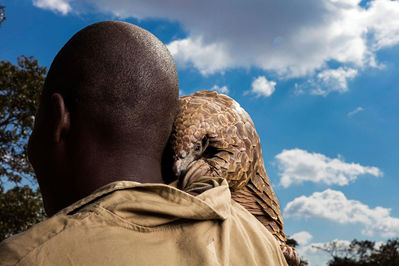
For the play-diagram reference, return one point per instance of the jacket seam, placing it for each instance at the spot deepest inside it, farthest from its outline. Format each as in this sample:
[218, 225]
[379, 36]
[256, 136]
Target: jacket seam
[146, 229]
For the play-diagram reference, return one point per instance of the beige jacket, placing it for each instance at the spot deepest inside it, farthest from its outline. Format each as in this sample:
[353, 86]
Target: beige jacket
[128, 223]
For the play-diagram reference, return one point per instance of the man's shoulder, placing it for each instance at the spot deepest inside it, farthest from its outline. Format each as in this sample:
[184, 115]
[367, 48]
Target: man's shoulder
[18, 246]
[51, 233]
[261, 242]
[15, 248]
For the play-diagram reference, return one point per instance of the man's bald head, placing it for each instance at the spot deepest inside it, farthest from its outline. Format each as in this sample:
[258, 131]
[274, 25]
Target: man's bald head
[120, 78]
[106, 112]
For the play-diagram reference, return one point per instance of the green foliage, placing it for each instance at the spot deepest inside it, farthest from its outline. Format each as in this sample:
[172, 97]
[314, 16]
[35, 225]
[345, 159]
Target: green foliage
[20, 87]
[20, 208]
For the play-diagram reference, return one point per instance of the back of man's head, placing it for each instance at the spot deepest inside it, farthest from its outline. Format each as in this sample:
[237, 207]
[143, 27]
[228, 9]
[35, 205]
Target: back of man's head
[120, 78]
[108, 105]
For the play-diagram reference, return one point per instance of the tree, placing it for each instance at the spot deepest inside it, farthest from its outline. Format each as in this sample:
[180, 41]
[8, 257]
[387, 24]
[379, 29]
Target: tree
[2, 14]
[335, 248]
[293, 243]
[388, 254]
[363, 253]
[20, 87]
[20, 208]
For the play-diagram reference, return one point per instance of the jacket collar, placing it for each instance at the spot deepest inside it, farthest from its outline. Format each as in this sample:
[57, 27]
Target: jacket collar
[157, 204]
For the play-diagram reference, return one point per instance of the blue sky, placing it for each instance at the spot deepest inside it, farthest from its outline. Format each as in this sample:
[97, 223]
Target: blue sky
[318, 77]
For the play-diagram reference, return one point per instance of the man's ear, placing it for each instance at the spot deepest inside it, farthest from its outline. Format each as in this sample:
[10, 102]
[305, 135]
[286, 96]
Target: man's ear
[61, 120]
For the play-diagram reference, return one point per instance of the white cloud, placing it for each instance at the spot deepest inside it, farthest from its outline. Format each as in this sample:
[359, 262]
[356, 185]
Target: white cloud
[384, 23]
[207, 58]
[320, 253]
[262, 87]
[334, 206]
[315, 253]
[302, 237]
[271, 36]
[291, 38]
[222, 89]
[357, 110]
[297, 166]
[330, 80]
[61, 6]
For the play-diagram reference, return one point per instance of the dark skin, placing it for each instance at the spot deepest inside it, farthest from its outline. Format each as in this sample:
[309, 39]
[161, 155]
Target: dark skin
[77, 148]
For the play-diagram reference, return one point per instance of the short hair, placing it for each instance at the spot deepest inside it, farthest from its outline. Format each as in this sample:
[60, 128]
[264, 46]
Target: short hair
[122, 79]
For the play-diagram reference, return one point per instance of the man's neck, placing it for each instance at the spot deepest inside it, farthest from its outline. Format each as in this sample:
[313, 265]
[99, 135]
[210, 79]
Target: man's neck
[142, 169]
[128, 167]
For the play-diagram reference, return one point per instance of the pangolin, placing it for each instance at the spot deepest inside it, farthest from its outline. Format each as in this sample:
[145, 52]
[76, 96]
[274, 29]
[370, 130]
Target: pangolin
[214, 136]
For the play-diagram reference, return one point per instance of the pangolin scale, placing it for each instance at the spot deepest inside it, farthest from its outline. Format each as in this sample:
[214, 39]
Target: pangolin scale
[213, 136]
